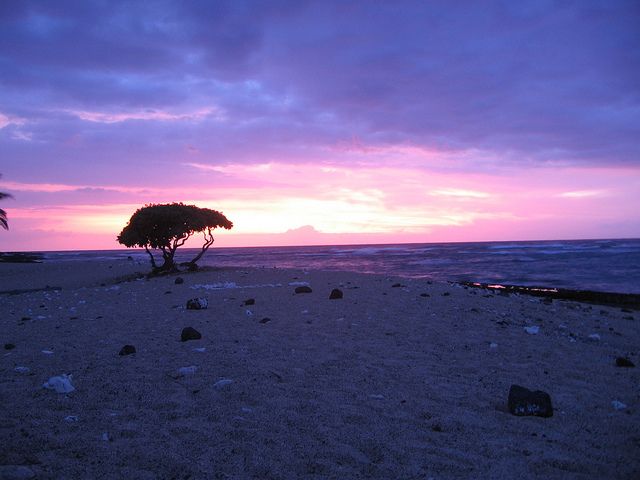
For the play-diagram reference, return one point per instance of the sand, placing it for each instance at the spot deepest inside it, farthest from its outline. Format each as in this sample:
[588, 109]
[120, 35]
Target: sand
[383, 383]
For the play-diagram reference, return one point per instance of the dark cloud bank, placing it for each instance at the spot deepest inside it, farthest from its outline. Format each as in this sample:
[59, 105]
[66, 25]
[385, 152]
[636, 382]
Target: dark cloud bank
[532, 82]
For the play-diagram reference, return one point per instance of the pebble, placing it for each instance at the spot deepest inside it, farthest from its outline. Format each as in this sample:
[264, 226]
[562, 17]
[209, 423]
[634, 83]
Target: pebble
[16, 472]
[594, 336]
[493, 345]
[303, 289]
[624, 362]
[9, 346]
[22, 369]
[197, 304]
[250, 301]
[127, 350]
[190, 333]
[265, 320]
[525, 402]
[60, 383]
[335, 294]
[199, 349]
[223, 382]
[190, 370]
[532, 330]
[47, 352]
[179, 280]
[618, 405]
[249, 313]
[71, 418]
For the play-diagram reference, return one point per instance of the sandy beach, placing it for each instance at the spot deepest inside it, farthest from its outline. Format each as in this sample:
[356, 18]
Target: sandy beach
[400, 378]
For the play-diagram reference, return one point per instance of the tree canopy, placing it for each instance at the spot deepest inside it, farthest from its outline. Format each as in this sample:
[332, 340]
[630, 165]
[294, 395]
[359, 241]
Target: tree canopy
[166, 227]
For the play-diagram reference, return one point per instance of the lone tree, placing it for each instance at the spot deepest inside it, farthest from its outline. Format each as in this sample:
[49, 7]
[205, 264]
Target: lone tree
[168, 226]
[3, 214]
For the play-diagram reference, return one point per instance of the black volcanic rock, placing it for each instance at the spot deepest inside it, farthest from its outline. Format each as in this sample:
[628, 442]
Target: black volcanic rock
[620, 362]
[9, 346]
[127, 350]
[190, 333]
[197, 304]
[250, 301]
[265, 320]
[397, 285]
[303, 289]
[335, 294]
[525, 402]
[179, 280]
[425, 295]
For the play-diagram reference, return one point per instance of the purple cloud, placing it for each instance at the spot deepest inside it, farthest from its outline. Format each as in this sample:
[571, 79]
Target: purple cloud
[121, 84]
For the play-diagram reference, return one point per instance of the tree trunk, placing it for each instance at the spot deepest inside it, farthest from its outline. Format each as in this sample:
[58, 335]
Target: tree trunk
[208, 241]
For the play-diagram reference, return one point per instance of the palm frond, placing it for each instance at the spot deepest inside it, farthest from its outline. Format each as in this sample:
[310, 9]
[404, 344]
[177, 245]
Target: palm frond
[3, 219]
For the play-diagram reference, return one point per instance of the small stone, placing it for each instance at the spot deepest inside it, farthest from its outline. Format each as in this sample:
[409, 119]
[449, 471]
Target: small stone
[190, 333]
[190, 370]
[303, 289]
[23, 370]
[197, 304]
[493, 345]
[250, 301]
[525, 402]
[335, 294]
[594, 336]
[16, 472]
[265, 320]
[425, 295]
[532, 330]
[71, 418]
[396, 285]
[223, 382]
[618, 405]
[446, 294]
[61, 384]
[624, 362]
[9, 346]
[179, 280]
[127, 350]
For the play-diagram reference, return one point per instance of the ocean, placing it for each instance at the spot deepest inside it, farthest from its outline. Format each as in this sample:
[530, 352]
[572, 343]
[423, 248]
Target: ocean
[598, 265]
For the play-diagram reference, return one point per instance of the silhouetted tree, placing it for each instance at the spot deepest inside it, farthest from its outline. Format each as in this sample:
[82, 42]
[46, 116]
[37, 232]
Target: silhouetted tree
[3, 214]
[168, 226]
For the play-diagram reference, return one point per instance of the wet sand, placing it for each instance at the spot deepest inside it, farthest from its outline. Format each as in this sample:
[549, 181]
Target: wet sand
[407, 381]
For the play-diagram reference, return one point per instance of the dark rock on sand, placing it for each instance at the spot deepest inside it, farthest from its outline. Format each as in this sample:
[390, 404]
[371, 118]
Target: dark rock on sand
[250, 301]
[179, 280]
[265, 320]
[425, 295]
[624, 362]
[303, 289]
[190, 333]
[9, 346]
[525, 402]
[197, 304]
[127, 350]
[397, 285]
[335, 294]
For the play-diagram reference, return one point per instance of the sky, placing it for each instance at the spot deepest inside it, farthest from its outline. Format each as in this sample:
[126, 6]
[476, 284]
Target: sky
[321, 122]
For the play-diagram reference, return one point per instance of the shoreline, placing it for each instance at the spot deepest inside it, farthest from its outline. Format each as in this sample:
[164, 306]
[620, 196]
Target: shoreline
[400, 378]
[615, 299]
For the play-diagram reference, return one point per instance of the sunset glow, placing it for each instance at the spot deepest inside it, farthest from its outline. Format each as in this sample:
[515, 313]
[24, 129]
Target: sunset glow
[303, 129]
